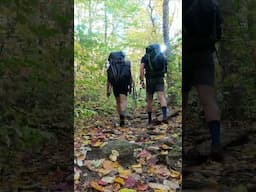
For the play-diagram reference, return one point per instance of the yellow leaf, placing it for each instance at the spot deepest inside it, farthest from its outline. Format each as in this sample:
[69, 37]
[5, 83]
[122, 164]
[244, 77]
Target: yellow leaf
[97, 144]
[164, 152]
[108, 164]
[127, 190]
[103, 144]
[174, 174]
[81, 157]
[136, 166]
[125, 173]
[87, 142]
[77, 176]
[96, 186]
[119, 180]
[164, 146]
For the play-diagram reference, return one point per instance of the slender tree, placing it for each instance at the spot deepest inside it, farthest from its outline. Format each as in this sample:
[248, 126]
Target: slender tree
[151, 10]
[90, 18]
[166, 37]
[105, 23]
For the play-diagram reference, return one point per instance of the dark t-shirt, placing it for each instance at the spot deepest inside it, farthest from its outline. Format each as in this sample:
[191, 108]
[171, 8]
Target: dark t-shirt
[198, 42]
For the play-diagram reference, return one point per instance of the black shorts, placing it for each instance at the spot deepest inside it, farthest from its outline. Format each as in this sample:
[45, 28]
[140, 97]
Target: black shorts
[120, 88]
[197, 69]
[154, 85]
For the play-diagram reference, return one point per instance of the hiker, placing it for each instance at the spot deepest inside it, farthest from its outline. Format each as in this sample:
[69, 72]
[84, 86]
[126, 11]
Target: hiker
[154, 66]
[120, 79]
[201, 30]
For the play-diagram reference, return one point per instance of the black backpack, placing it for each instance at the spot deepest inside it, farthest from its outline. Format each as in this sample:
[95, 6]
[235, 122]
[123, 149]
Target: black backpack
[201, 23]
[119, 70]
[156, 61]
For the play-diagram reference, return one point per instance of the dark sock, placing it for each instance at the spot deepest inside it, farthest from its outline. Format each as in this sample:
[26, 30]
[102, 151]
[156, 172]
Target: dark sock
[214, 127]
[122, 118]
[149, 117]
[164, 111]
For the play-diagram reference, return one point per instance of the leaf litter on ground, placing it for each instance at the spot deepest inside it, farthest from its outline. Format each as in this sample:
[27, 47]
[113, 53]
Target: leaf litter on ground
[150, 171]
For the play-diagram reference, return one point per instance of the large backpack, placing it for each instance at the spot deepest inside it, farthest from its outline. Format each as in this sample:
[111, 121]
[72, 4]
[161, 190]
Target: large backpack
[201, 23]
[119, 69]
[156, 61]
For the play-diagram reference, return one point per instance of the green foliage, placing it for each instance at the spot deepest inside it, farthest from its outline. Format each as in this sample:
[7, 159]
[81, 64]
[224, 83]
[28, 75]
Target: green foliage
[174, 73]
[34, 88]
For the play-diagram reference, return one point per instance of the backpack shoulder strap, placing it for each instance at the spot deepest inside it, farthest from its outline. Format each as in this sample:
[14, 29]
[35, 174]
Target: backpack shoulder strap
[149, 62]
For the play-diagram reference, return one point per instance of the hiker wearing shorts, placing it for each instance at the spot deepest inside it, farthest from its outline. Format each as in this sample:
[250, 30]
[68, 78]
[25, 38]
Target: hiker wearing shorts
[153, 67]
[120, 80]
[201, 30]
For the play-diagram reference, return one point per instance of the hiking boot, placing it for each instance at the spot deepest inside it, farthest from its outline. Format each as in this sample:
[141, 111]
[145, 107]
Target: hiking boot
[216, 153]
[193, 157]
[121, 124]
[165, 121]
[150, 126]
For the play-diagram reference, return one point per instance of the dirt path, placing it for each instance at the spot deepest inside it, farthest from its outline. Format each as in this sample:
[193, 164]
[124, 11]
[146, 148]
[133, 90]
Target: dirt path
[237, 171]
[133, 158]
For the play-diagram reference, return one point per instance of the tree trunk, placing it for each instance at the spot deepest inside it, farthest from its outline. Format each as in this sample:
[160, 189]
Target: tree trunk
[90, 18]
[106, 24]
[151, 17]
[166, 27]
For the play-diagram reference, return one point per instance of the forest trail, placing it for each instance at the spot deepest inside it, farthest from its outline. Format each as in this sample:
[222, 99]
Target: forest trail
[131, 158]
[228, 175]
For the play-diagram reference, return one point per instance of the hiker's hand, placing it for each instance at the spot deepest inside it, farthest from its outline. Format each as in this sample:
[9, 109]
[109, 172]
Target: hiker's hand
[130, 89]
[108, 93]
[142, 84]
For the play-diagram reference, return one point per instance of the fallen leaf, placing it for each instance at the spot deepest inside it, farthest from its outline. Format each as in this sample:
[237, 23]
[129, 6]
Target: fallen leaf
[175, 174]
[160, 170]
[97, 163]
[145, 154]
[130, 182]
[142, 187]
[114, 155]
[127, 190]
[165, 147]
[96, 144]
[100, 182]
[81, 157]
[80, 163]
[171, 184]
[153, 160]
[103, 172]
[158, 186]
[107, 164]
[124, 173]
[119, 180]
[108, 179]
[164, 152]
[116, 186]
[76, 176]
[137, 168]
[96, 186]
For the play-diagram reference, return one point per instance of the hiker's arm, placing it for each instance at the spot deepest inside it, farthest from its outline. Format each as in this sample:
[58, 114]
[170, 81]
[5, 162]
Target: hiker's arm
[130, 84]
[142, 75]
[108, 88]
